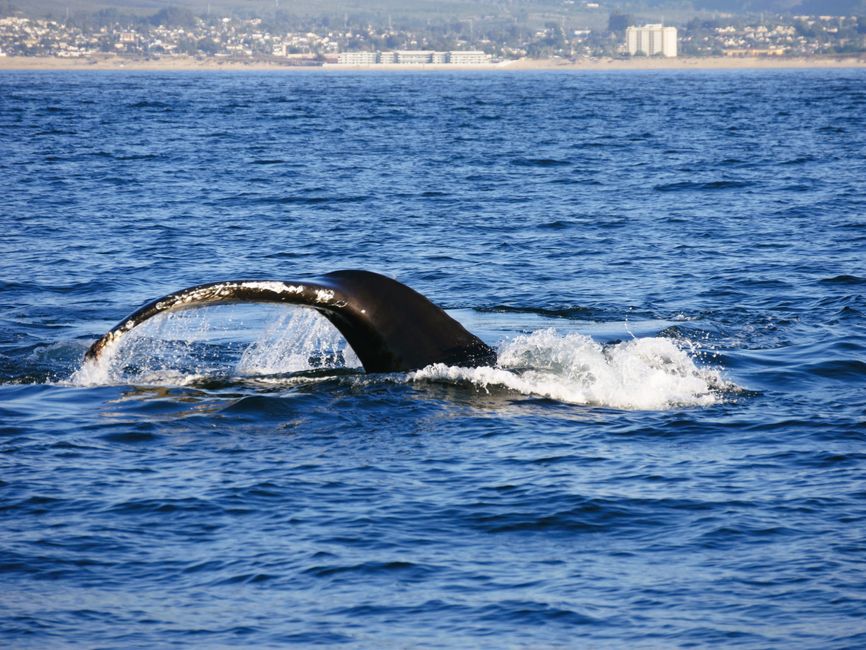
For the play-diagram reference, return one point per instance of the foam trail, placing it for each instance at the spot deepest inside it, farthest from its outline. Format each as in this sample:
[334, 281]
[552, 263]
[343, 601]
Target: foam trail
[642, 374]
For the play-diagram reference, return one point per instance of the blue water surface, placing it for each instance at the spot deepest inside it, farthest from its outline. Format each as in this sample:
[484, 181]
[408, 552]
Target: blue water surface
[595, 503]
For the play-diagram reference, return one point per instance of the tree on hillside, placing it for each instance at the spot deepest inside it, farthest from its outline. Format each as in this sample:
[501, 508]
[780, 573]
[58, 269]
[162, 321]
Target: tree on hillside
[102, 18]
[618, 22]
[8, 9]
[831, 7]
[173, 17]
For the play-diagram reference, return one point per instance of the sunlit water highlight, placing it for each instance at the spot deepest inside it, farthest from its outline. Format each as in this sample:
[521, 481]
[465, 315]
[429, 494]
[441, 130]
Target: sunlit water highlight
[669, 453]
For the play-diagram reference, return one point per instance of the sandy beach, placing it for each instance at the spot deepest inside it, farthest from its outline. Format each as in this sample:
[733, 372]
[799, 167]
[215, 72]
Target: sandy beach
[166, 64]
[688, 63]
[215, 64]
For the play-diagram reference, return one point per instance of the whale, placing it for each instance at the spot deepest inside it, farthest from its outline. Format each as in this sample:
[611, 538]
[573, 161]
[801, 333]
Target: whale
[389, 326]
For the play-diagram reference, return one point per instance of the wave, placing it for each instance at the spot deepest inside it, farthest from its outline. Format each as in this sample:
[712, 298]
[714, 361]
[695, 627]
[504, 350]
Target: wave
[844, 280]
[540, 162]
[699, 186]
[161, 106]
[572, 312]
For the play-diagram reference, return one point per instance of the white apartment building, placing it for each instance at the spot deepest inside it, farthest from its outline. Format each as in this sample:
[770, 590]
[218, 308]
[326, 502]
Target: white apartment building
[414, 57]
[358, 58]
[651, 40]
[468, 57]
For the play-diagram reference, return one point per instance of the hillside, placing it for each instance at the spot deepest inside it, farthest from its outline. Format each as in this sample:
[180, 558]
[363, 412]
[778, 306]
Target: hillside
[443, 9]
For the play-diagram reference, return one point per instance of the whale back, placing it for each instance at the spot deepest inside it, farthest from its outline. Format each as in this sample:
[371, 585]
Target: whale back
[389, 326]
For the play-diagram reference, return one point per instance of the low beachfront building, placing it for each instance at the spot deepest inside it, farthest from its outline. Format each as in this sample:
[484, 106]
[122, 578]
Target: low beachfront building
[468, 57]
[414, 57]
[358, 58]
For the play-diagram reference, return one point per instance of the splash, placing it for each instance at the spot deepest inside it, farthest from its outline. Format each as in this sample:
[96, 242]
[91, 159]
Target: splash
[99, 371]
[180, 348]
[300, 340]
[642, 374]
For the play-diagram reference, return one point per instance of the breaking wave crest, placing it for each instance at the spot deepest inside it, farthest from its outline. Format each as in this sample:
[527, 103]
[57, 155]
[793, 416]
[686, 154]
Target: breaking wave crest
[644, 374]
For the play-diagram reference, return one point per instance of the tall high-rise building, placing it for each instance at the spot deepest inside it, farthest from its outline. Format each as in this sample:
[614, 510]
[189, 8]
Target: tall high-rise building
[651, 40]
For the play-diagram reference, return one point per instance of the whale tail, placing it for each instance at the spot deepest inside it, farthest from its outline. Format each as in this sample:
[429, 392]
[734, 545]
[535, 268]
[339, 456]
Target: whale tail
[390, 327]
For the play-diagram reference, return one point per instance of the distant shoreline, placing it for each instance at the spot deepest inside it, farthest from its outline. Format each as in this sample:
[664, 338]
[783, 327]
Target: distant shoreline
[181, 64]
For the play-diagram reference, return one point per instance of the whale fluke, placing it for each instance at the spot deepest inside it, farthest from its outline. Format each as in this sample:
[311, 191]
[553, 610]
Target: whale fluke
[388, 325]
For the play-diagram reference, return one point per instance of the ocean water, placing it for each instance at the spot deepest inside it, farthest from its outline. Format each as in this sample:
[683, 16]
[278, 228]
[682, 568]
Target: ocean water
[671, 451]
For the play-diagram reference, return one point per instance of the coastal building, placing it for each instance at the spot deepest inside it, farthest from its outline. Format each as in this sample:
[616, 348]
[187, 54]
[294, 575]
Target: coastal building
[651, 40]
[358, 58]
[468, 57]
[414, 57]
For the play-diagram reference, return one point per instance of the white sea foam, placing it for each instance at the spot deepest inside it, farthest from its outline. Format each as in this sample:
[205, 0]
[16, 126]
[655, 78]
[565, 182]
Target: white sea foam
[647, 373]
